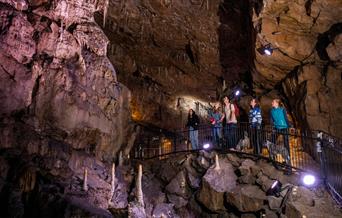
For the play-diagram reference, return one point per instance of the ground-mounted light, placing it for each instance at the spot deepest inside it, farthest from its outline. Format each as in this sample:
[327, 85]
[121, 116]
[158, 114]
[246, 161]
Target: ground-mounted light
[206, 146]
[309, 180]
[275, 189]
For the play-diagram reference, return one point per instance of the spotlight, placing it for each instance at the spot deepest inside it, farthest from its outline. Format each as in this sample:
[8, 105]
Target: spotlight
[206, 146]
[275, 189]
[266, 49]
[309, 180]
[237, 93]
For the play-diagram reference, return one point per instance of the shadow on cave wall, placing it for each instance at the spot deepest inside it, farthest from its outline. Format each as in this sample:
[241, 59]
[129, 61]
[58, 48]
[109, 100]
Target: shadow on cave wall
[237, 40]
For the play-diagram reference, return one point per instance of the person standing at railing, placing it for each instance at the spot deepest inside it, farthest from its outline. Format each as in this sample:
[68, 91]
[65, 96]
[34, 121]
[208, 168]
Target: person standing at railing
[231, 123]
[216, 118]
[193, 122]
[255, 120]
[280, 123]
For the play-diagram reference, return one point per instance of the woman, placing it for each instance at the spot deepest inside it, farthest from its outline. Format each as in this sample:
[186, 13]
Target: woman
[216, 118]
[279, 122]
[193, 122]
[255, 120]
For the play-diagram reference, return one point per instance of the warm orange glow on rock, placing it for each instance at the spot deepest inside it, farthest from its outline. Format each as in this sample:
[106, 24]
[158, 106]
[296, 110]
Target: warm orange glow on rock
[135, 112]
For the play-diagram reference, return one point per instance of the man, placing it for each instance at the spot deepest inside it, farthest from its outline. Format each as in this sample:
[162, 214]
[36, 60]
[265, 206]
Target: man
[231, 123]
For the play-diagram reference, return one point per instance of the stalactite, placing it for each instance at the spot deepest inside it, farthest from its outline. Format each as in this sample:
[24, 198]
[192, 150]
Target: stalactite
[139, 193]
[85, 180]
[105, 10]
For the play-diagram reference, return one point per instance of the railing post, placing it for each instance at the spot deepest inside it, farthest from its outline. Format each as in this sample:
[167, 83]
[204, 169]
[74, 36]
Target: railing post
[319, 151]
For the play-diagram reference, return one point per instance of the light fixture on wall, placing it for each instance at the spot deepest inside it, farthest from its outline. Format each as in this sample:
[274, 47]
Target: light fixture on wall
[266, 49]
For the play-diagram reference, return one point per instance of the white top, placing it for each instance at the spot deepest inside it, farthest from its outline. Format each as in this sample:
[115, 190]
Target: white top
[229, 112]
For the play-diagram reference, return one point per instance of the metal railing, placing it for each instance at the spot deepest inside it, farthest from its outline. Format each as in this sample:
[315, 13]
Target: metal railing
[313, 151]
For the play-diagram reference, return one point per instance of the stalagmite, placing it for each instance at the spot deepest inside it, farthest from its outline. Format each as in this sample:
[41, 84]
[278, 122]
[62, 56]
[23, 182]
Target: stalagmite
[112, 184]
[217, 164]
[85, 180]
[139, 187]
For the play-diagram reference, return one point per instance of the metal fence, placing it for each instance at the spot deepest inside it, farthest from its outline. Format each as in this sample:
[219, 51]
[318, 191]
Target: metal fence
[313, 151]
[331, 163]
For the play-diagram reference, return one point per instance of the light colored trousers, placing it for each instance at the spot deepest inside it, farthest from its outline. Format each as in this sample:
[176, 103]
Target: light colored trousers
[193, 134]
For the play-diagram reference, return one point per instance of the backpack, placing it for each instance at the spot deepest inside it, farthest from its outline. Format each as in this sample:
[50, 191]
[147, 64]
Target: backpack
[236, 109]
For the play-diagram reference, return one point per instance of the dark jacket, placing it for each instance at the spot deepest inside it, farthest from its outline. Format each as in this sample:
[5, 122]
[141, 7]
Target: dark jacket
[193, 121]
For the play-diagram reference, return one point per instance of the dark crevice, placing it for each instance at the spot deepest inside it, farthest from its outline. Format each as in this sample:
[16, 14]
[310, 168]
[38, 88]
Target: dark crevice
[236, 37]
[190, 53]
[11, 77]
[308, 4]
[258, 5]
[292, 92]
[34, 93]
[72, 28]
[324, 72]
[324, 39]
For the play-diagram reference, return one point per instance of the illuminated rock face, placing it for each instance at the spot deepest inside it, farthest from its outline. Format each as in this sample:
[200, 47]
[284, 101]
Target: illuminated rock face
[306, 63]
[55, 74]
[170, 53]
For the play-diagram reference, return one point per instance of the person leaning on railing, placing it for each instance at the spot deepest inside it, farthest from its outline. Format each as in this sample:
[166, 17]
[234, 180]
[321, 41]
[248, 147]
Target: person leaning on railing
[279, 122]
[193, 122]
[255, 120]
[216, 119]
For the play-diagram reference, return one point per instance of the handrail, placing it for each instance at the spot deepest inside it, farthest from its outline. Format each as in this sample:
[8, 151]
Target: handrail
[313, 151]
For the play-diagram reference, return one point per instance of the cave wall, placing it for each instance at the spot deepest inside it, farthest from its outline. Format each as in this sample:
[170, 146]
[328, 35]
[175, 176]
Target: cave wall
[56, 78]
[305, 66]
[162, 51]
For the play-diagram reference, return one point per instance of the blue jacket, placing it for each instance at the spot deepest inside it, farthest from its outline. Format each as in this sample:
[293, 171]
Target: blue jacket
[278, 118]
[255, 117]
[217, 117]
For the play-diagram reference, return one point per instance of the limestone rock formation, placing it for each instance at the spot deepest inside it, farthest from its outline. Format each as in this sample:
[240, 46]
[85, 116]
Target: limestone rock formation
[63, 109]
[215, 183]
[247, 198]
[55, 73]
[170, 53]
[306, 63]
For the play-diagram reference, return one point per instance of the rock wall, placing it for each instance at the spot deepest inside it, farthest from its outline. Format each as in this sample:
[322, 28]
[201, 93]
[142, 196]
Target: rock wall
[63, 112]
[171, 53]
[55, 75]
[305, 66]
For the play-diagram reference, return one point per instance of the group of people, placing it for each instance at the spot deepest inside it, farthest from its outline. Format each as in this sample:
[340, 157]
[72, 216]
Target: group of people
[224, 121]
